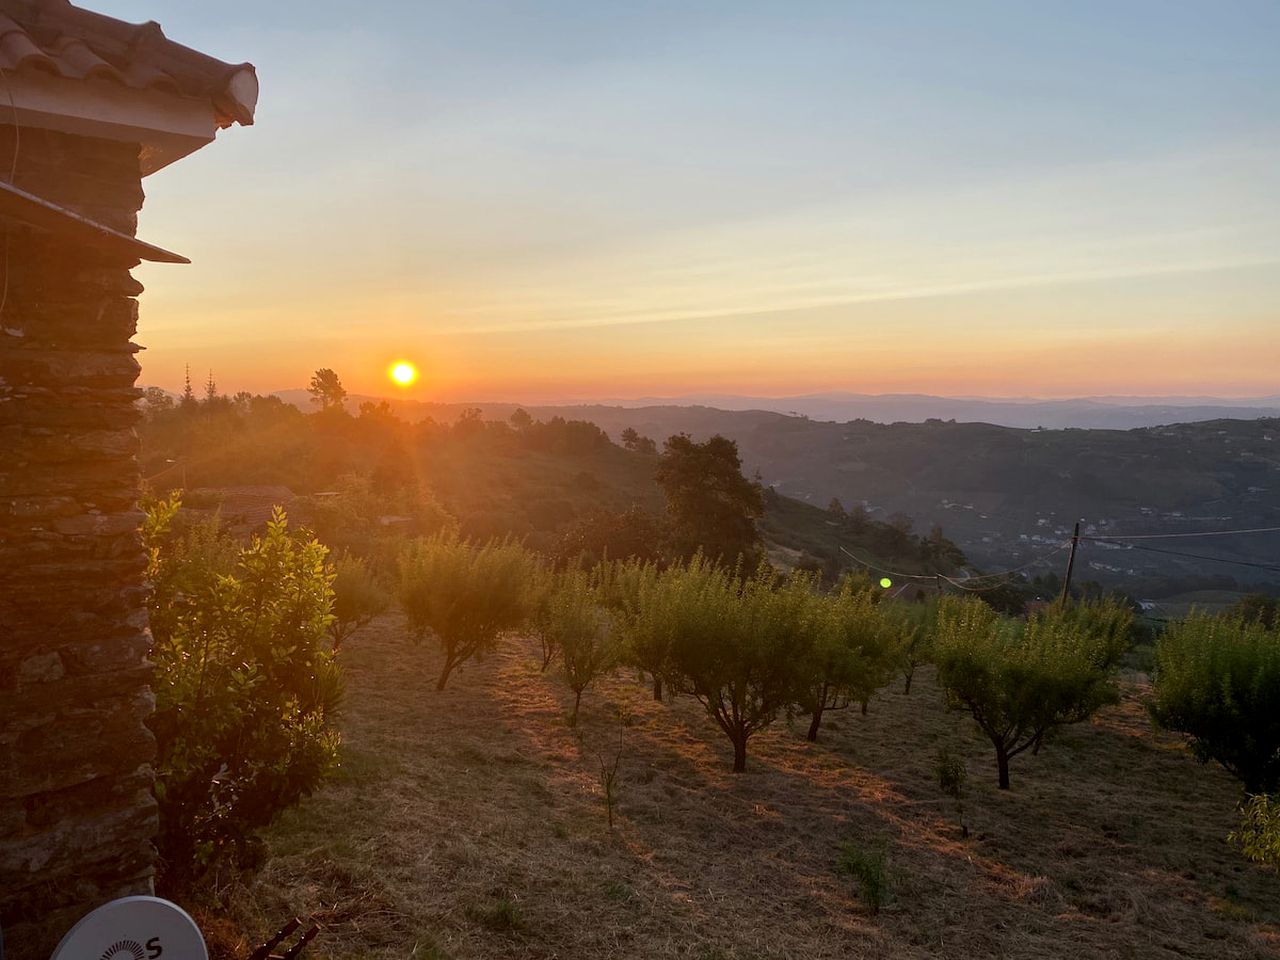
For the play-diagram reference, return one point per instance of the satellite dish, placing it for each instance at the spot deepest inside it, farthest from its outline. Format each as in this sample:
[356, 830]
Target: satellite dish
[134, 928]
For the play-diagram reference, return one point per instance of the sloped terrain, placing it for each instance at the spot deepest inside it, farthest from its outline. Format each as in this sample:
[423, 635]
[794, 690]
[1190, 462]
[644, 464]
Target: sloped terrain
[471, 824]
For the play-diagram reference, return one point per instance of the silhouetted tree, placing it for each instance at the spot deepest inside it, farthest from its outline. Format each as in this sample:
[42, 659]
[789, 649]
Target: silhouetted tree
[326, 389]
[155, 400]
[188, 395]
[614, 536]
[711, 506]
[635, 442]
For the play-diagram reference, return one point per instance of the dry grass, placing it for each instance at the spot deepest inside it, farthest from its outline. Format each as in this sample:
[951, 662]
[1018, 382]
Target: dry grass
[471, 824]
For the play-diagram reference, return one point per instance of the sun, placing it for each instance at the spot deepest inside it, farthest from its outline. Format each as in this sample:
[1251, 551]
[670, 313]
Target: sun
[403, 373]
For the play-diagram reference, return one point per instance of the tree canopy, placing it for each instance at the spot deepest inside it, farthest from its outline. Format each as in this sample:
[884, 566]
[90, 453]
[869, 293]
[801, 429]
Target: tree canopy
[326, 389]
[1217, 679]
[1021, 681]
[711, 507]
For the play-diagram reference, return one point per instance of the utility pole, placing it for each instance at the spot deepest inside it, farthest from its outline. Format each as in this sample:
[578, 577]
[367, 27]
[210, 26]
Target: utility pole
[1071, 563]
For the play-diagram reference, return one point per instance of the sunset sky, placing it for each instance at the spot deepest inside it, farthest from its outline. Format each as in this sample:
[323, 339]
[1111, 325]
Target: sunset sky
[554, 200]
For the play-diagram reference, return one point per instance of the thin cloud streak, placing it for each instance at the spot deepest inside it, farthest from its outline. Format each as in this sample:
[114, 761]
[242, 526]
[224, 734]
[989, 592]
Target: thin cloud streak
[676, 315]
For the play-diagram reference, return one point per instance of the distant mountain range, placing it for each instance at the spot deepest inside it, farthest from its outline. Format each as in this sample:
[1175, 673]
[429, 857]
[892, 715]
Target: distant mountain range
[1099, 413]
[1104, 413]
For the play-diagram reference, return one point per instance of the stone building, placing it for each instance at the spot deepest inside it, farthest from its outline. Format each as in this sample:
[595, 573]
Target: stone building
[89, 106]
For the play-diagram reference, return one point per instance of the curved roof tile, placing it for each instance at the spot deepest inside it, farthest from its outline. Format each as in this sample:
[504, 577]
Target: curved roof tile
[56, 37]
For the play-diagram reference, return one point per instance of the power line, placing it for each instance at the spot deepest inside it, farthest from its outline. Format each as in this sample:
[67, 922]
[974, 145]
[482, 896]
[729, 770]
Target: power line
[889, 573]
[960, 583]
[1037, 560]
[1180, 536]
[1194, 556]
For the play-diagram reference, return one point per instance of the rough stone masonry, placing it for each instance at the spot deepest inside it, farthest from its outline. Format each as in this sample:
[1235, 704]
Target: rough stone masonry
[76, 808]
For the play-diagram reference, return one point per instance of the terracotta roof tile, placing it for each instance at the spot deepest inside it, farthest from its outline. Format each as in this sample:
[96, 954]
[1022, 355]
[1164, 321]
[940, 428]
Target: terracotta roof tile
[58, 38]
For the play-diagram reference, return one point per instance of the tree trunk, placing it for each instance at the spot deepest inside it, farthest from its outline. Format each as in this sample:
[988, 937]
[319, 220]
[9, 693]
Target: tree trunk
[444, 675]
[739, 754]
[577, 699]
[1002, 765]
[657, 688]
[864, 708]
[815, 723]
[907, 689]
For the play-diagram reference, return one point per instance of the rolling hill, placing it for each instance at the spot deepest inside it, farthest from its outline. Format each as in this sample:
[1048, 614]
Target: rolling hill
[1010, 496]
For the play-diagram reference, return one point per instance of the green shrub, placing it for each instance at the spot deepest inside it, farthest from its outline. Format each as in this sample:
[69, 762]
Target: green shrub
[1021, 681]
[465, 595]
[869, 868]
[246, 693]
[1258, 835]
[1217, 679]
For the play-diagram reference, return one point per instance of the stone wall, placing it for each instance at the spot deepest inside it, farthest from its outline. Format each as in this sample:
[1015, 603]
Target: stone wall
[76, 808]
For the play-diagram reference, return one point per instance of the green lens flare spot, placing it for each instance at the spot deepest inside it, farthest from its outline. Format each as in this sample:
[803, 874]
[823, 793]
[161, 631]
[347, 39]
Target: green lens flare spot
[886, 582]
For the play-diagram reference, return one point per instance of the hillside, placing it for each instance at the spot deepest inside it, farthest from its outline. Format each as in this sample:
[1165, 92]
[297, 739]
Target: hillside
[537, 483]
[470, 824]
[1007, 496]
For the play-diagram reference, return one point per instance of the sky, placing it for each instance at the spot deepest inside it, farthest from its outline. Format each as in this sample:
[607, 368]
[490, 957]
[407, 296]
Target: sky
[549, 200]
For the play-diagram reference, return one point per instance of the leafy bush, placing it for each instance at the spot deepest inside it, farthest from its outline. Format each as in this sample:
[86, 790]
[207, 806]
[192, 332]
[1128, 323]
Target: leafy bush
[357, 598]
[1258, 836]
[869, 867]
[465, 595]
[1217, 679]
[246, 693]
[1021, 681]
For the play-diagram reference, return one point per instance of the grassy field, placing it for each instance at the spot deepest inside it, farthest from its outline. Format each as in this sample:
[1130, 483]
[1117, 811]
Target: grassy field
[471, 824]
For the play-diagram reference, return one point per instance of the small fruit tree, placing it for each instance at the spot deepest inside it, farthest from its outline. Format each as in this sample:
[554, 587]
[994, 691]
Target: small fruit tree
[578, 627]
[1217, 680]
[357, 598]
[465, 595]
[856, 651]
[1022, 681]
[741, 646]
